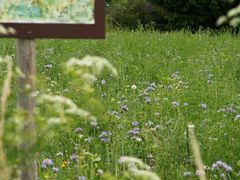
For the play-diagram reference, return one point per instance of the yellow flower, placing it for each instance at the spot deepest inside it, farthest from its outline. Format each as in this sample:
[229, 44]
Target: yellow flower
[64, 164]
[45, 176]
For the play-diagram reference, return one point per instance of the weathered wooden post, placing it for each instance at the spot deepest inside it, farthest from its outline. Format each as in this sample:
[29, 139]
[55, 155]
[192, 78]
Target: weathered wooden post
[26, 54]
[30, 23]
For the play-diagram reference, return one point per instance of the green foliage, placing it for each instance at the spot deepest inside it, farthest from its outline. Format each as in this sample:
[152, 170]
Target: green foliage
[193, 13]
[169, 14]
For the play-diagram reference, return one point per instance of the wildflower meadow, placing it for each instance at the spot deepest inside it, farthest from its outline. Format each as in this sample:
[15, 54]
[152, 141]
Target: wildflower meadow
[138, 105]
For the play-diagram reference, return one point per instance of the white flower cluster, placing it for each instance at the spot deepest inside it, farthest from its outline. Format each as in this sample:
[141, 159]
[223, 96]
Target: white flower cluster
[137, 168]
[232, 17]
[64, 104]
[5, 31]
[89, 67]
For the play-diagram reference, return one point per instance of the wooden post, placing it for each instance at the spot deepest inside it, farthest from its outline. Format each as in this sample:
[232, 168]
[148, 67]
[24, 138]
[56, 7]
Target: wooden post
[26, 52]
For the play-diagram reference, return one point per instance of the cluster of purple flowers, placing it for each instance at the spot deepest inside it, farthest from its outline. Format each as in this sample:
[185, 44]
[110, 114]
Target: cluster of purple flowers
[223, 165]
[135, 123]
[150, 88]
[229, 109]
[176, 75]
[146, 91]
[135, 131]
[47, 163]
[105, 136]
[115, 114]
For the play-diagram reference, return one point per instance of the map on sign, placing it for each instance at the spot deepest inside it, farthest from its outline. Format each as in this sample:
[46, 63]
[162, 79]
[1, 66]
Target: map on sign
[47, 11]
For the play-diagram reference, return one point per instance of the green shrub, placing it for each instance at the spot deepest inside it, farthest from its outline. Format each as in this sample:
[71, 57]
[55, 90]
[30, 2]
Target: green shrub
[167, 14]
[194, 13]
[132, 13]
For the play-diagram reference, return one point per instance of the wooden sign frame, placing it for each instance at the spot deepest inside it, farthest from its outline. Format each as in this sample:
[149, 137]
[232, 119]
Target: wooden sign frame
[59, 30]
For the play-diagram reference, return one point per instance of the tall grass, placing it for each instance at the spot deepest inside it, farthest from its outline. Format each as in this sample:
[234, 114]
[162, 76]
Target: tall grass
[165, 81]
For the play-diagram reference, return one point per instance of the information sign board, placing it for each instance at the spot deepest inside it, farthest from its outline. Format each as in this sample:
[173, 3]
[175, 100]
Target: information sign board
[54, 18]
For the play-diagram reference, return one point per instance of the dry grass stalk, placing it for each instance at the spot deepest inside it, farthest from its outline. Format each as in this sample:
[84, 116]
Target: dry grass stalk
[4, 172]
[196, 153]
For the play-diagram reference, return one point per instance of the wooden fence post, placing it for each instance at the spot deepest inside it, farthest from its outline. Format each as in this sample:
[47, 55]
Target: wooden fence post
[26, 52]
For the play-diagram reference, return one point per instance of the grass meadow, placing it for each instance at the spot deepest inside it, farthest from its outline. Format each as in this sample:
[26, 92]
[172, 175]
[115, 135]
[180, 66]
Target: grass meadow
[165, 81]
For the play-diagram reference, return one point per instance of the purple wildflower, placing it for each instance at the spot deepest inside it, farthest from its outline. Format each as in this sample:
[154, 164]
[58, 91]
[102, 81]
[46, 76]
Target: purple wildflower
[74, 157]
[157, 127]
[175, 104]
[222, 175]
[223, 165]
[135, 123]
[115, 113]
[46, 163]
[105, 140]
[134, 131]
[78, 130]
[105, 136]
[149, 89]
[124, 108]
[147, 99]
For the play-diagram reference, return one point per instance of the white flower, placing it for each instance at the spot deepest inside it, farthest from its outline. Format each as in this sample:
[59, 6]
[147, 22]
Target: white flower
[137, 168]
[237, 117]
[62, 102]
[96, 64]
[134, 86]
